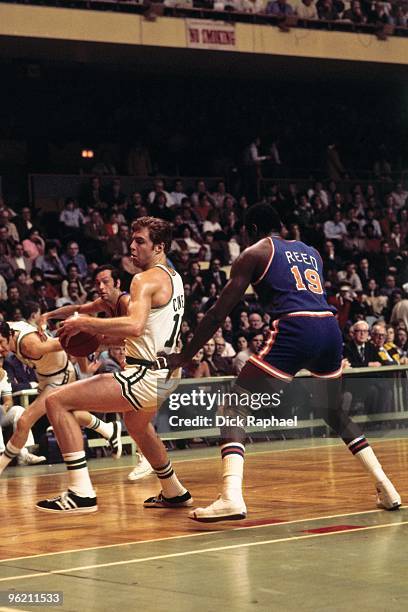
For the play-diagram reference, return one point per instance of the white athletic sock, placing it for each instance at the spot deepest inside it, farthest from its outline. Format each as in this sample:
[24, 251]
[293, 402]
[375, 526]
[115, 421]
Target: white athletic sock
[9, 454]
[170, 484]
[105, 429]
[78, 475]
[232, 455]
[366, 456]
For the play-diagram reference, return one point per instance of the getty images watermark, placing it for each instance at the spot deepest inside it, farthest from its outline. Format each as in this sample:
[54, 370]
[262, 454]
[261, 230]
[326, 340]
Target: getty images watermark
[210, 402]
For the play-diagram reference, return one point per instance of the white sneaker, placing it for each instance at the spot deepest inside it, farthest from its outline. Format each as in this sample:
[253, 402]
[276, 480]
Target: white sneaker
[220, 510]
[141, 469]
[387, 495]
[30, 459]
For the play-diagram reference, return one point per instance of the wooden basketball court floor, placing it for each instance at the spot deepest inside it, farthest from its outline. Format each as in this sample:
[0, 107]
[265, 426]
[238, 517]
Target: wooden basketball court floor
[313, 539]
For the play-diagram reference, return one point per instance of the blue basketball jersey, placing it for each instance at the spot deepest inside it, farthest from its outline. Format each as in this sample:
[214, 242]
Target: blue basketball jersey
[293, 279]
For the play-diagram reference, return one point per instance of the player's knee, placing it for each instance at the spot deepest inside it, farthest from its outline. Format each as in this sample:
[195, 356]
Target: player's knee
[23, 424]
[51, 403]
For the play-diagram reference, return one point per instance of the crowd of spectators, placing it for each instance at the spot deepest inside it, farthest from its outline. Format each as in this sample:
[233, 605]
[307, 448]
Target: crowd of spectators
[360, 231]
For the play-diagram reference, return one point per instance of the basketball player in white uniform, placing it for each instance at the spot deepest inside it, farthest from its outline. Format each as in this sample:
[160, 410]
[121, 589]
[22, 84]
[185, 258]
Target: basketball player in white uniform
[9, 415]
[53, 370]
[152, 324]
[113, 302]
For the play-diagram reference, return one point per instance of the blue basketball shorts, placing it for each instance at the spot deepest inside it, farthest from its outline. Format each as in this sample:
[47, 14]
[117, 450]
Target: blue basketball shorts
[302, 340]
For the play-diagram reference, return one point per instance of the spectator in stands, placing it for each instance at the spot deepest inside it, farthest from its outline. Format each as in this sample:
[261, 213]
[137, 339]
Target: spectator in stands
[212, 223]
[378, 303]
[350, 276]
[218, 197]
[72, 276]
[40, 295]
[33, 245]
[396, 240]
[114, 361]
[158, 187]
[255, 342]
[379, 14]
[399, 196]
[307, 10]
[24, 284]
[255, 322]
[252, 6]
[118, 245]
[72, 255]
[51, 264]
[365, 272]
[209, 352]
[215, 275]
[331, 260]
[23, 222]
[13, 301]
[353, 243]
[114, 195]
[18, 260]
[279, 7]
[160, 208]
[6, 240]
[12, 230]
[386, 354]
[399, 313]
[370, 218]
[3, 288]
[178, 195]
[72, 218]
[360, 352]
[221, 361]
[372, 244]
[92, 195]
[389, 286]
[401, 341]
[335, 230]
[203, 207]
[355, 13]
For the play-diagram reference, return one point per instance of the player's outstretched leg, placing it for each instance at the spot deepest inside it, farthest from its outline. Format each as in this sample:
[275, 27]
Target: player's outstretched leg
[173, 493]
[17, 442]
[387, 496]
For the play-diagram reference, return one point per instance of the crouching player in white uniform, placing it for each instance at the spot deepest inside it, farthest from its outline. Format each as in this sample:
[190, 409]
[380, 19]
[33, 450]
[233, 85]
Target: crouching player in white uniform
[9, 416]
[153, 321]
[53, 370]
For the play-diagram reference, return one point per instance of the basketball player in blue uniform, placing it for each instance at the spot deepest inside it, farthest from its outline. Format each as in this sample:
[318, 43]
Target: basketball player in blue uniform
[288, 278]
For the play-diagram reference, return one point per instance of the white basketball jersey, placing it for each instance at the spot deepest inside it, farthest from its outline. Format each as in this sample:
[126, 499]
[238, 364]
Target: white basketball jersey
[50, 363]
[162, 325]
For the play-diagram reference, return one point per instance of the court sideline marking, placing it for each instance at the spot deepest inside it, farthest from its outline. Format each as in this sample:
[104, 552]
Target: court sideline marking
[194, 535]
[193, 552]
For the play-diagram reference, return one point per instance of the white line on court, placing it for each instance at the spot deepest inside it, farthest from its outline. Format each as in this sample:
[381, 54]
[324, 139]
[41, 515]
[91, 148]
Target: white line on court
[193, 535]
[193, 552]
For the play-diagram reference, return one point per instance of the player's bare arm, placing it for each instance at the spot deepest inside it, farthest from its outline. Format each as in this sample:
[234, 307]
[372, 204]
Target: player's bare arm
[243, 271]
[148, 289]
[33, 347]
[67, 311]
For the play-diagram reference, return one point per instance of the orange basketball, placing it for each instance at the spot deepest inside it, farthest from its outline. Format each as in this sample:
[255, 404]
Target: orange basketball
[81, 344]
